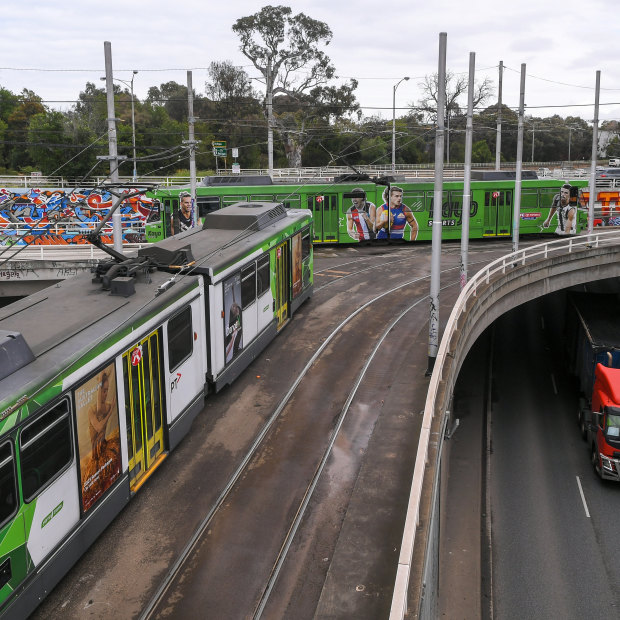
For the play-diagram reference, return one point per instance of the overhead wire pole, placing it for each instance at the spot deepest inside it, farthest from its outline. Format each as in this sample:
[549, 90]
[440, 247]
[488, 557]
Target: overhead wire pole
[269, 118]
[133, 130]
[592, 198]
[109, 87]
[498, 136]
[516, 207]
[433, 333]
[112, 142]
[192, 145]
[465, 211]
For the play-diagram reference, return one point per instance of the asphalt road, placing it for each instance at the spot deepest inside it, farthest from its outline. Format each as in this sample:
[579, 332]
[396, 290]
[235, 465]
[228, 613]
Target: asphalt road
[550, 559]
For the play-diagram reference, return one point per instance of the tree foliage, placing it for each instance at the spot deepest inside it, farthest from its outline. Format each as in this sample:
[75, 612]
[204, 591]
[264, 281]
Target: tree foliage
[317, 117]
[295, 71]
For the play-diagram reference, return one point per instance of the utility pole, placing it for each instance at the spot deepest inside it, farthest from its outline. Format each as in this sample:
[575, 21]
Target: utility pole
[469, 130]
[594, 155]
[112, 142]
[516, 207]
[498, 135]
[192, 146]
[133, 130]
[269, 118]
[433, 333]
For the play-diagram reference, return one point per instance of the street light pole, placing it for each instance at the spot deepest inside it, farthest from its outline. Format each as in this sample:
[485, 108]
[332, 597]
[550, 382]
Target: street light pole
[394, 123]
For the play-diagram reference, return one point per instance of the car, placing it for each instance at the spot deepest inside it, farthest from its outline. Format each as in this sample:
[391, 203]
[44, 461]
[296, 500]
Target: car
[607, 173]
[609, 177]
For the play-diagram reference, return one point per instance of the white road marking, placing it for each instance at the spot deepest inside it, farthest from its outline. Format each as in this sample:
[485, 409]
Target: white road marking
[583, 497]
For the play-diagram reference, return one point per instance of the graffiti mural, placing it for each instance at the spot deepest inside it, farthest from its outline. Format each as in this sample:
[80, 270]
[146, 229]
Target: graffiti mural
[37, 216]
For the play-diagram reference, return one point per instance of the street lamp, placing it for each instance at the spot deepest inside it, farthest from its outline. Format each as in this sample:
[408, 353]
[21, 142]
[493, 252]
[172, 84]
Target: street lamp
[133, 121]
[394, 123]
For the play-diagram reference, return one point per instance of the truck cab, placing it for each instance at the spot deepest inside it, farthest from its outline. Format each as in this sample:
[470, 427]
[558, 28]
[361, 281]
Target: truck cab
[603, 423]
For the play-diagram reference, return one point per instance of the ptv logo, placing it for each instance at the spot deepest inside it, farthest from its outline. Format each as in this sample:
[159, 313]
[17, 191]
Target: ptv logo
[136, 355]
[174, 384]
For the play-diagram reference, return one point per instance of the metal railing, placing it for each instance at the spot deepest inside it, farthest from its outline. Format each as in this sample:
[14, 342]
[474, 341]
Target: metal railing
[557, 169]
[482, 278]
[73, 252]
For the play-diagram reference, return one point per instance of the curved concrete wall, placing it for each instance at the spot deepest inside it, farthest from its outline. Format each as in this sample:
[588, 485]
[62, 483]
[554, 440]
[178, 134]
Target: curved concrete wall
[416, 586]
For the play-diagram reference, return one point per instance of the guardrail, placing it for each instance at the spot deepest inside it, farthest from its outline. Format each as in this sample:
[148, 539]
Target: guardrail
[13, 231]
[440, 383]
[563, 169]
[75, 252]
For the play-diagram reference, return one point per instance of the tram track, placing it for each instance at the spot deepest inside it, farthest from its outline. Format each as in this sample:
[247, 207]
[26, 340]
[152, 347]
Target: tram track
[346, 312]
[149, 609]
[155, 606]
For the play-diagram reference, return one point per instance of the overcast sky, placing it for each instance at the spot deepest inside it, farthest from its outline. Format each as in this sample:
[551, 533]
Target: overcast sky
[54, 48]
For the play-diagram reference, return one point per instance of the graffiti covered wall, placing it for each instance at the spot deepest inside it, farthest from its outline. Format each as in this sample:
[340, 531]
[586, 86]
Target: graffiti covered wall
[38, 216]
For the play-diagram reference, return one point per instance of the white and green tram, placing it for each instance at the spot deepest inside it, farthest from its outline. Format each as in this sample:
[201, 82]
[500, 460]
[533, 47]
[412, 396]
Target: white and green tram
[100, 378]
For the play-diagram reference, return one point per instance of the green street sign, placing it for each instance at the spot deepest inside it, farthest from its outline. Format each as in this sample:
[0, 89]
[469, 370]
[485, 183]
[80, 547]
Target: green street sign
[219, 148]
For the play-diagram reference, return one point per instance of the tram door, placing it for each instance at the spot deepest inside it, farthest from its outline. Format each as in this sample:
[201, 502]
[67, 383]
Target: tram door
[325, 217]
[497, 213]
[143, 407]
[282, 282]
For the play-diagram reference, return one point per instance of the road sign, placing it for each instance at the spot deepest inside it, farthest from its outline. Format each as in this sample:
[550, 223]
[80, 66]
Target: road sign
[219, 148]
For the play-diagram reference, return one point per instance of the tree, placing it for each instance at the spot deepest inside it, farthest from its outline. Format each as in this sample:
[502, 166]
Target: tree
[455, 87]
[237, 111]
[280, 45]
[27, 106]
[481, 153]
[173, 98]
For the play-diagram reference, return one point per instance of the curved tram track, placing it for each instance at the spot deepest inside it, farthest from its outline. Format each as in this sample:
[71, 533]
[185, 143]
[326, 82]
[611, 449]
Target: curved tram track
[287, 499]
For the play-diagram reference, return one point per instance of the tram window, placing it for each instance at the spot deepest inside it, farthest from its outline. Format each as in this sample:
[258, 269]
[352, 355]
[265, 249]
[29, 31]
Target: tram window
[230, 200]
[292, 201]
[8, 483]
[497, 199]
[45, 449]
[261, 198]
[154, 213]
[180, 341]
[262, 275]
[305, 244]
[248, 285]
[415, 201]
[529, 199]
[207, 204]
[547, 195]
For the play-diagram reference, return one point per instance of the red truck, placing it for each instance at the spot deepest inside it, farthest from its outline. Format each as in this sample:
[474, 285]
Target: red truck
[593, 330]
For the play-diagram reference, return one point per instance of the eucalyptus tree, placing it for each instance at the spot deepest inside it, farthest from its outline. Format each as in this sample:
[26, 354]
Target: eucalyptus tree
[287, 52]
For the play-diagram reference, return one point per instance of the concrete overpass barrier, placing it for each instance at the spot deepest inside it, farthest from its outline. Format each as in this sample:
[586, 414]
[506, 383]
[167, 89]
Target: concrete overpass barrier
[504, 283]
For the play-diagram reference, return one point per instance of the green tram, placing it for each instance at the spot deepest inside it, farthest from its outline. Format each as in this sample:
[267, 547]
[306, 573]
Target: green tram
[101, 378]
[350, 211]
